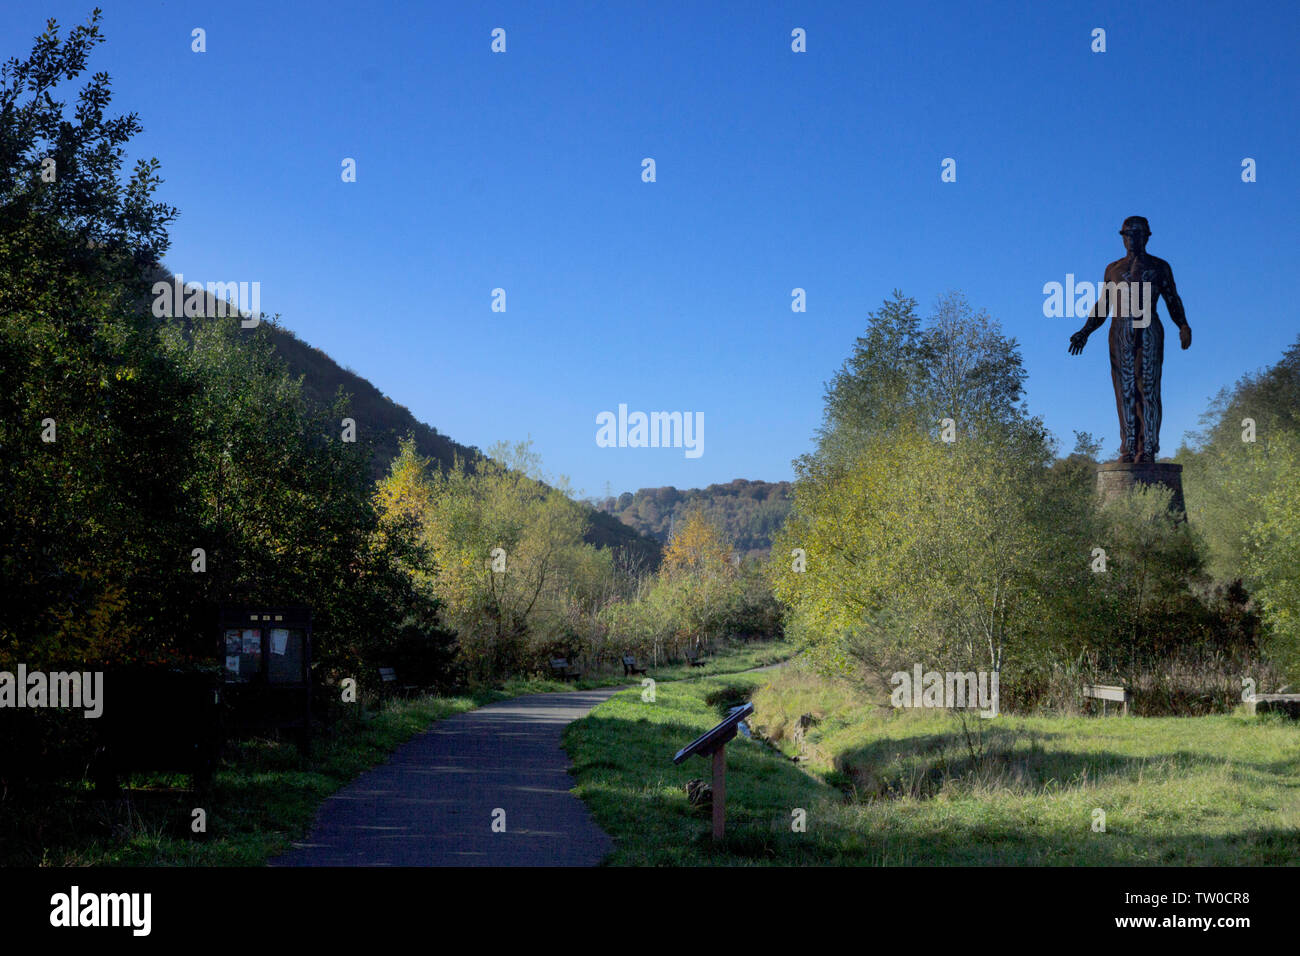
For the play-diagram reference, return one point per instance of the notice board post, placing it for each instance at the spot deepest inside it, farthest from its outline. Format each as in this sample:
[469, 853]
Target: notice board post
[714, 744]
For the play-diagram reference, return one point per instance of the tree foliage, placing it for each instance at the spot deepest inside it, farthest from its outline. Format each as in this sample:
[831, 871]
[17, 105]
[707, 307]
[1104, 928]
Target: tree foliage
[1241, 475]
[975, 547]
[747, 512]
[128, 442]
[513, 570]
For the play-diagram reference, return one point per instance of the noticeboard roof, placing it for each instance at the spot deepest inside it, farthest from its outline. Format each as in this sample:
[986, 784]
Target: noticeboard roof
[265, 615]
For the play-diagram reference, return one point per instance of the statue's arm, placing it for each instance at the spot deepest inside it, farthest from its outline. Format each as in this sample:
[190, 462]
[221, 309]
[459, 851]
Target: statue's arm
[1097, 318]
[1169, 292]
[1099, 312]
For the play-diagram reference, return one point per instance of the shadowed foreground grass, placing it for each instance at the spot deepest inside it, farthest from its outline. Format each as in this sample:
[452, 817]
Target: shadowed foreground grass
[882, 787]
[265, 794]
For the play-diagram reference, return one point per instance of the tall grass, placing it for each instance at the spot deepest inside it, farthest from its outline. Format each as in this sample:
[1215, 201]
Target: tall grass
[880, 786]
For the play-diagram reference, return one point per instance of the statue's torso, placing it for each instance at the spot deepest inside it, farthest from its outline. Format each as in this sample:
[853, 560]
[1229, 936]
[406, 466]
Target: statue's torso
[1137, 269]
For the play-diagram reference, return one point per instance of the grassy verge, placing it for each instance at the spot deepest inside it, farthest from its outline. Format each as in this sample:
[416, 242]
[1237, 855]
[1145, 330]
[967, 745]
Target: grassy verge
[727, 657]
[920, 788]
[623, 768]
[265, 794]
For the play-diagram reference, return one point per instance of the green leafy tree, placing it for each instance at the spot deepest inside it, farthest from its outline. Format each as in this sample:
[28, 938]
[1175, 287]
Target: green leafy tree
[90, 519]
[919, 549]
[167, 437]
[924, 551]
[514, 572]
[1240, 479]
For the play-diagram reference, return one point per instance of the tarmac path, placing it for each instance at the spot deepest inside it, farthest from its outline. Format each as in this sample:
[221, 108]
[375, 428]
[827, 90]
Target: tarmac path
[433, 802]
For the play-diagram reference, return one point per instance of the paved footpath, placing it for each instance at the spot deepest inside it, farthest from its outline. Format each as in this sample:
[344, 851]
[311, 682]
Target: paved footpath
[432, 803]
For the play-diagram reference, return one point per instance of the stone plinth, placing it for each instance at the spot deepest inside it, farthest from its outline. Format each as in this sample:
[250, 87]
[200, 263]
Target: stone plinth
[1116, 478]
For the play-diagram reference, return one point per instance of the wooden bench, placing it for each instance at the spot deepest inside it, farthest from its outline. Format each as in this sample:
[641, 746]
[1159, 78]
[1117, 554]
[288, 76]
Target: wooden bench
[629, 666]
[389, 682]
[561, 668]
[693, 657]
[1108, 692]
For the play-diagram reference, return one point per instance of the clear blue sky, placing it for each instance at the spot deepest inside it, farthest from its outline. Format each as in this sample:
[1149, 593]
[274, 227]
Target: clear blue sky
[775, 170]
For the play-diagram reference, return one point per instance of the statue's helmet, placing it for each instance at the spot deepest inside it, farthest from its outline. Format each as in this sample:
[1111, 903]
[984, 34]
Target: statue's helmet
[1137, 224]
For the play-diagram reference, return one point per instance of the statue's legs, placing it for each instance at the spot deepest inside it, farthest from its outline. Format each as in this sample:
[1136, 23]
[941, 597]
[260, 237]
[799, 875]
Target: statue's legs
[1150, 358]
[1123, 374]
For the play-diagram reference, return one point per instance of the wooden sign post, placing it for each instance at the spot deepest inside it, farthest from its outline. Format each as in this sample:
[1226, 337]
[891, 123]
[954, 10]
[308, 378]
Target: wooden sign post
[714, 744]
[719, 791]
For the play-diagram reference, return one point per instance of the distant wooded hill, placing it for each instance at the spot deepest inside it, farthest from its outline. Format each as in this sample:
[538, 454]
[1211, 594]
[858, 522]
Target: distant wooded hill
[749, 512]
[382, 423]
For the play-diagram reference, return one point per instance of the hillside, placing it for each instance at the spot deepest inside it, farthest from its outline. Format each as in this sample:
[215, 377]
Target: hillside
[749, 512]
[386, 423]
[382, 423]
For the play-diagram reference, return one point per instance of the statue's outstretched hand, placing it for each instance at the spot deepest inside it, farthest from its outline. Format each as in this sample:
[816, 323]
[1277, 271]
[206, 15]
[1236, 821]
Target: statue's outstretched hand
[1078, 340]
[1185, 335]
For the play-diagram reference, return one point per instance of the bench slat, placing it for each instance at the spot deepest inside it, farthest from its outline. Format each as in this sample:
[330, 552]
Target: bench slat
[1106, 692]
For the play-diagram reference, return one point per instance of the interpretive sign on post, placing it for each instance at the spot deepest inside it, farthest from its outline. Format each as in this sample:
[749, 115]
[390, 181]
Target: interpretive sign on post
[714, 744]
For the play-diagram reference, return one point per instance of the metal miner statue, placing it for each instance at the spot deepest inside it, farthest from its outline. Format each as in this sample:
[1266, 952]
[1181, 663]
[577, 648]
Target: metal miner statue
[1137, 338]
